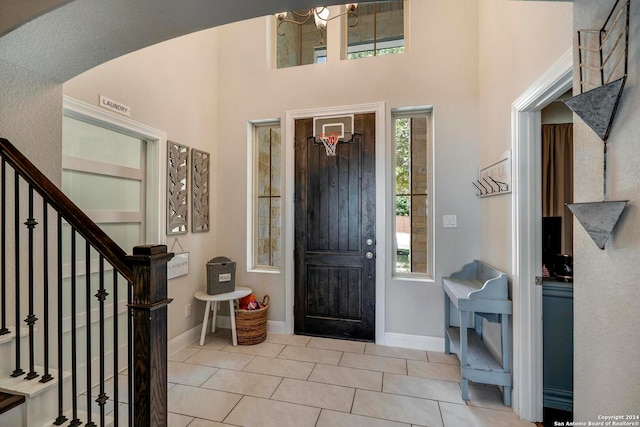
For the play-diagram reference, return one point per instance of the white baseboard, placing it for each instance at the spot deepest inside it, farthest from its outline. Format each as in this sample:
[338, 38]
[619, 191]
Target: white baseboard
[417, 342]
[276, 327]
[184, 339]
[193, 334]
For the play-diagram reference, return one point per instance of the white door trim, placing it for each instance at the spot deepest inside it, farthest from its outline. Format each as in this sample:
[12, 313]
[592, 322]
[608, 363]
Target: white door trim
[156, 175]
[526, 216]
[379, 109]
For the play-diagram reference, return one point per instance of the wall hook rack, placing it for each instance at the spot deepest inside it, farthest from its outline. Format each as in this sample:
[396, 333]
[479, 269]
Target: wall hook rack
[480, 187]
[500, 185]
[496, 178]
[490, 187]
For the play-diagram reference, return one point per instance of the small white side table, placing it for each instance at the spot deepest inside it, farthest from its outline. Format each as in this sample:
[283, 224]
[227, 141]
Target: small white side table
[240, 292]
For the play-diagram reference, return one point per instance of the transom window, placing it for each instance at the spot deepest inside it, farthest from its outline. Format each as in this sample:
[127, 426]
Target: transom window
[300, 44]
[380, 30]
[371, 29]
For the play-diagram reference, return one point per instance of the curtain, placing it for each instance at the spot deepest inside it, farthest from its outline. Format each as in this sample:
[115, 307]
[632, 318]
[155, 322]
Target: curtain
[557, 177]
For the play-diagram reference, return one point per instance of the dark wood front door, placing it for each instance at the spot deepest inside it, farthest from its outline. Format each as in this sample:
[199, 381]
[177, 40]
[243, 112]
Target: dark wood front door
[334, 231]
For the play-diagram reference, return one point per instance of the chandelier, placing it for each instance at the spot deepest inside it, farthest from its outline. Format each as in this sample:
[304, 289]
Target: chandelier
[320, 16]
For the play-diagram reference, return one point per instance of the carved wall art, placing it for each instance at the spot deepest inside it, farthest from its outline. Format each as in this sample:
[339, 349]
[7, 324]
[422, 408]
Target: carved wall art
[177, 167]
[199, 191]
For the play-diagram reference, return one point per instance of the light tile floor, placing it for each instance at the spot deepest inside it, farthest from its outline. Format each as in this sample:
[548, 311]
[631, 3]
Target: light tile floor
[301, 381]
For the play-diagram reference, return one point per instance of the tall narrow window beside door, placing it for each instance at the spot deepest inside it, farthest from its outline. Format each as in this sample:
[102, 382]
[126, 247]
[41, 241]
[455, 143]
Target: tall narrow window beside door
[413, 190]
[266, 251]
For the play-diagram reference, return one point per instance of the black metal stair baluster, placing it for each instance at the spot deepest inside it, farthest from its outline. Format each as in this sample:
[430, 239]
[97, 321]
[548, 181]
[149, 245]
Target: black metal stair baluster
[61, 417]
[45, 272]
[87, 292]
[17, 371]
[3, 262]
[31, 317]
[101, 296]
[74, 339]
[116, 347]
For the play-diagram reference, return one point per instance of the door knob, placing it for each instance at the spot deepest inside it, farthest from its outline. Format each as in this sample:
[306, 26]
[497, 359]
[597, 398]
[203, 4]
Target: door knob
[369, 255]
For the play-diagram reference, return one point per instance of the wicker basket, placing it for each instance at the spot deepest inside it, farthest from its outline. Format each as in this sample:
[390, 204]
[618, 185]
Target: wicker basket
[251, 325]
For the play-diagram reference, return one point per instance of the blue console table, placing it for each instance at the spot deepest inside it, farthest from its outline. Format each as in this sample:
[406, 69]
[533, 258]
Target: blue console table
[478, 292]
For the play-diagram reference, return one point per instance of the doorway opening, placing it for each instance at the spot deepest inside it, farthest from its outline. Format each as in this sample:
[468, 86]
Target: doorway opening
[557, 265]
[527, 235]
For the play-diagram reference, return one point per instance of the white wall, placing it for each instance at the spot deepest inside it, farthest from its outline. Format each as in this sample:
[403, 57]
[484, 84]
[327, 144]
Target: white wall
[171, 87]
[606, 291]
[518, 42]
[440, 69]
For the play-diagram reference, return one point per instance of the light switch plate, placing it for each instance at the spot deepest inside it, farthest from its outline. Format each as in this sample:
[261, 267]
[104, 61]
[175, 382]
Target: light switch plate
[449, 221]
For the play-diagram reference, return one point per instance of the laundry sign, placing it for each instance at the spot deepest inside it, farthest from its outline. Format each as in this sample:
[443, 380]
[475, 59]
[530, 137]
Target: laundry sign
[116, 106]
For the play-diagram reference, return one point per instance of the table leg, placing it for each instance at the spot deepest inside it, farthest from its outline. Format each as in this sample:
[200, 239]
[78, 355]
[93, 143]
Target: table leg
[232, 315]
[204, 322]
[215, 316]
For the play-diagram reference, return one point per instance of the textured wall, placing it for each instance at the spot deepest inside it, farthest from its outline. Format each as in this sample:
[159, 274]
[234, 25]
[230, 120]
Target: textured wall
[30, 112]
[606, 291]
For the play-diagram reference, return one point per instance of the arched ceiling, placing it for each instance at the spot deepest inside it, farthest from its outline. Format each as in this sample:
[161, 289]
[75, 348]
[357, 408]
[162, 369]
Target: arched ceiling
[82, 34]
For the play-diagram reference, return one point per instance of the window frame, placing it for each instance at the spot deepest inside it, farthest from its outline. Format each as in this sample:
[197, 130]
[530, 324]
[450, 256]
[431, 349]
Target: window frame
[402, 113]
[252, 196]
[392, 42]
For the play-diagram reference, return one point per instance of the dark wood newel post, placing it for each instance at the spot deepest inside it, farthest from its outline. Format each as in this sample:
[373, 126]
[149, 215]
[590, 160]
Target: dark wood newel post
[148, 309]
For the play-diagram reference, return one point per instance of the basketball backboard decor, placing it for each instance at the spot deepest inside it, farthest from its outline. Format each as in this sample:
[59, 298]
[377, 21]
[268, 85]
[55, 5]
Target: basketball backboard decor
[330, 131]
[602, 58]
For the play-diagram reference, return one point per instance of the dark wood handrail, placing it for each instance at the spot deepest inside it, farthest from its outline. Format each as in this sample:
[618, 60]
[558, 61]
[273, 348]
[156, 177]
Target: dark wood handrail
[55, 198]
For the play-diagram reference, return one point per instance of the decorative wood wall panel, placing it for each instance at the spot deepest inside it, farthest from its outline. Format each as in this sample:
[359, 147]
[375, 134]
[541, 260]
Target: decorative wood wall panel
[199, 191]
[177, 208]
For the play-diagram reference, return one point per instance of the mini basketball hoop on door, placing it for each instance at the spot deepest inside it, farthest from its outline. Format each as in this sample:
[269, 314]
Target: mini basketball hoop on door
[332, 130]
[330, 142]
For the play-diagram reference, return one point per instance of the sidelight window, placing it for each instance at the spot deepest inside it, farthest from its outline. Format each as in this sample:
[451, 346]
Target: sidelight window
[413, 202]
[266, 250]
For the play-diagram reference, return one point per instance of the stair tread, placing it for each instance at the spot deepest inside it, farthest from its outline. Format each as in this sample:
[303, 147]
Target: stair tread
[29, 388]
[9, 401]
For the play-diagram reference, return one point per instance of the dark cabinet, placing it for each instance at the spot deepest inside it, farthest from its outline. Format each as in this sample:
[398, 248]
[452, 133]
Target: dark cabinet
[557, 341]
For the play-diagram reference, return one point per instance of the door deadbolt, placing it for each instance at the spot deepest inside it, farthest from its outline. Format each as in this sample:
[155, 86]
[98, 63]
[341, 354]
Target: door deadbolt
[369, 242]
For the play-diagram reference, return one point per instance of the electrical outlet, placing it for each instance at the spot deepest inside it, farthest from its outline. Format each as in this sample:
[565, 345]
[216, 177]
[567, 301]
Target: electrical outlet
[187, 310]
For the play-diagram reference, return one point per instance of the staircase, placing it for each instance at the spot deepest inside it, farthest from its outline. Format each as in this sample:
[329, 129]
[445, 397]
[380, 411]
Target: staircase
[72, 291]
[10, 405]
